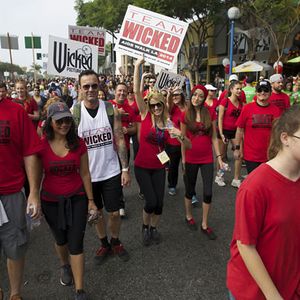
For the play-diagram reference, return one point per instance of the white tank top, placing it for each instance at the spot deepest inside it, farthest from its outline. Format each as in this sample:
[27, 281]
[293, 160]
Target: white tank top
[98, 136]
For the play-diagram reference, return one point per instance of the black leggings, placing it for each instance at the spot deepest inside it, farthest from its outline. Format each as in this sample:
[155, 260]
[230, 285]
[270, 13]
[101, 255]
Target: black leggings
[191, 172]
[152, 183]
[73, 236]
[174, 153]
[251, 165]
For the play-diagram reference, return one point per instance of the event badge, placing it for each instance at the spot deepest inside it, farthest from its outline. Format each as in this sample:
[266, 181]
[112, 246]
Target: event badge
[163, 157]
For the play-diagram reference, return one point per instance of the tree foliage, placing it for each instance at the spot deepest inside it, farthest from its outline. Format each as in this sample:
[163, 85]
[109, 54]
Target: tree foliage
[7, 67]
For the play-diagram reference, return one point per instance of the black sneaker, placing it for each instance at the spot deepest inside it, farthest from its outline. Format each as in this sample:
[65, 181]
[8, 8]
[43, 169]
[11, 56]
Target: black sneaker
[102, 254]
[146, 240]
[191, 224]
[66, 275]
[120, 251]
[209, 233]
[80, 295]
[155, 235]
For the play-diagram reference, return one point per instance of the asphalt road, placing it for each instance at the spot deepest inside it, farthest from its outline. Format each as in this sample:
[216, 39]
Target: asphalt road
[186, 265]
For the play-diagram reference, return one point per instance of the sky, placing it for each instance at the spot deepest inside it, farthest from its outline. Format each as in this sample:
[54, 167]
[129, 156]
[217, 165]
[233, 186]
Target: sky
[42, 17]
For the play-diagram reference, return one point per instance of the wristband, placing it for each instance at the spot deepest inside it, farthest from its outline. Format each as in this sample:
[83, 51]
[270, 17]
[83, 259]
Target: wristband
[237, 147]
[125, 169]
[218, 155]
[91, 199]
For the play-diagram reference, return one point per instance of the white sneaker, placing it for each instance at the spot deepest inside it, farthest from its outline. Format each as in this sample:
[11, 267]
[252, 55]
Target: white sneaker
[220, 181]
[236, 183]
[122, 213]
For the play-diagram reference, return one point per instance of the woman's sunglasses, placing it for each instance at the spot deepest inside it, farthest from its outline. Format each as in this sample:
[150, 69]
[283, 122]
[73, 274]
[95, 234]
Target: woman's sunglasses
[158, 105]
[66, 120]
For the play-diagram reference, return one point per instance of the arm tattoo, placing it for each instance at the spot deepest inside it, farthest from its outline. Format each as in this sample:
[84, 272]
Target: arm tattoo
[120, 140]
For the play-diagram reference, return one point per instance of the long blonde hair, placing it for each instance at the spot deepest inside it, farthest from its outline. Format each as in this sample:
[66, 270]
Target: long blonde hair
[289, 122]
[157, 96]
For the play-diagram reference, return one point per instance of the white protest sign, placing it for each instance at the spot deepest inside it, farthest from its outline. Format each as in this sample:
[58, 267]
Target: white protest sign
[153, 35]
[89, 35]
[167, 79]
[69, 58]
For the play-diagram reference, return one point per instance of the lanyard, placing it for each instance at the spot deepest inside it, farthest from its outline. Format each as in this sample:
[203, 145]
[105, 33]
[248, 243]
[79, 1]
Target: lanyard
[160, 134]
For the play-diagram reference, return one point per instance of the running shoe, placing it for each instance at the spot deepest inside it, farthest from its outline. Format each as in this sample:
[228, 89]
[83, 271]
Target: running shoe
[220, 181]
[155, 236]
[236, 183]
[195, 201]
[209, 233]
[172, 191]
[102, 254]
[80, 295]
[66, 275]
[146, 239]
[16, 297]
[191, 224]
[122, 213]
[121, 252]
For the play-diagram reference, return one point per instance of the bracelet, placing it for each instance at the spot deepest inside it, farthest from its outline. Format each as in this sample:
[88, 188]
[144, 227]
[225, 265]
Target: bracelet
[125, 169]
[218, 155]
[91, 199]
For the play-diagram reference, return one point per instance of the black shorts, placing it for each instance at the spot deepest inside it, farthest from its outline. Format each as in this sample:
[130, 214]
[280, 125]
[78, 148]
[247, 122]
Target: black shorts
[229, 134]
[108, 193]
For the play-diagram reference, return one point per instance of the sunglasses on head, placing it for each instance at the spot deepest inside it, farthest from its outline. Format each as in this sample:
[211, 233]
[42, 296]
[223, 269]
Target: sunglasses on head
[158, 105]
[86, 87]
[66, 120]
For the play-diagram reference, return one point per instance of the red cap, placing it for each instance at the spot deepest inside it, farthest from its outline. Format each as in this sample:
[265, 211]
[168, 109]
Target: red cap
[200, 87]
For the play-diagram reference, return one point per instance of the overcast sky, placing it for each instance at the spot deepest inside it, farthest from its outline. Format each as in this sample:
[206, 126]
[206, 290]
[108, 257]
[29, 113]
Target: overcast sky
[42, 17]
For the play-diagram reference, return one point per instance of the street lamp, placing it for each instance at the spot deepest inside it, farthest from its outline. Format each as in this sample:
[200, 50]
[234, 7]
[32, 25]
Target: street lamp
[233, 14]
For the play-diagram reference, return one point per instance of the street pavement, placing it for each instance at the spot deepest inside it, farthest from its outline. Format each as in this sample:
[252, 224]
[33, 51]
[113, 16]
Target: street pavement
[186, 265]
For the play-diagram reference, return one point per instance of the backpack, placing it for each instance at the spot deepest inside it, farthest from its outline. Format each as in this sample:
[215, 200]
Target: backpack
[109, 110]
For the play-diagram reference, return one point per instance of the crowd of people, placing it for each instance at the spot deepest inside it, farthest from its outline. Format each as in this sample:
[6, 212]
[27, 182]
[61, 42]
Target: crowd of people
[68, 145]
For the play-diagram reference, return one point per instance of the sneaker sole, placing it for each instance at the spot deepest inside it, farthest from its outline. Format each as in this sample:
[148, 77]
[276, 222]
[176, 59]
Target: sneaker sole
[65, 284]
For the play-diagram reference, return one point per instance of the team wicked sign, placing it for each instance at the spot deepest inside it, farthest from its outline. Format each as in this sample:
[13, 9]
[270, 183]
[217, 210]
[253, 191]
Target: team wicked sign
[89, 35]
[153, 35]
[167, 79]
[69, 58]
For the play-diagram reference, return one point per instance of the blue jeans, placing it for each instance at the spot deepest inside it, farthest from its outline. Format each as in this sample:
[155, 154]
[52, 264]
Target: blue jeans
[230, 296]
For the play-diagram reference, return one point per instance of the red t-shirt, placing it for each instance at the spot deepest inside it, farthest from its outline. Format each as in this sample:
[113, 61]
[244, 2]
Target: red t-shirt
[152, 141]
[18, 138]
[175, 117]
[242, 97]
[257, 121]
[281, 100]
[135, 109]
[201, 151]
[213, 107]
[62, 175]
[267, 215]
[231, 114]
[127, 119]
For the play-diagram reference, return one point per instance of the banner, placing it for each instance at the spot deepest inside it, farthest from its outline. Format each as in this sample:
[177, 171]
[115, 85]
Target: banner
[153, 35]
[69, 58]
[36, 42]
[167, 79]
[14, 43]
[89, 35]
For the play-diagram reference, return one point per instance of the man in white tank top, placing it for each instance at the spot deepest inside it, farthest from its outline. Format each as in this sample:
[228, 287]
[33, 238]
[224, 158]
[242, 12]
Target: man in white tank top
[107, 161]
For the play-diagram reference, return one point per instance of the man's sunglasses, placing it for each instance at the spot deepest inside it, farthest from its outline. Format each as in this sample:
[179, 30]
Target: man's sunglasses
[87, 87]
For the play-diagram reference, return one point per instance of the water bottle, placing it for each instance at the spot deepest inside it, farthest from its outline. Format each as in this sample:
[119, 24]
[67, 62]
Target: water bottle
[32, 223]
[221, 173]
[226, 167]
[170, 126]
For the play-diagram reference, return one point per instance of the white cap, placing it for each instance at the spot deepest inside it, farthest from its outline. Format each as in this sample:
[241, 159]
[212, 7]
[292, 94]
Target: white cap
[233, 77]
[275, 78]
[210, 87]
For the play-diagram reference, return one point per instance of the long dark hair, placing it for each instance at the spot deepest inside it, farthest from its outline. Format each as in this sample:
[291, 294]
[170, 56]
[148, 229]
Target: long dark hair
[71, 137]
[190, 119]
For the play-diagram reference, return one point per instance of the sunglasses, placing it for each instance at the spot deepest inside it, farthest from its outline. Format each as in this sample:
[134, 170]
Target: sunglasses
[86, 87]
[152, 81]
[66, 120]
[158, 105]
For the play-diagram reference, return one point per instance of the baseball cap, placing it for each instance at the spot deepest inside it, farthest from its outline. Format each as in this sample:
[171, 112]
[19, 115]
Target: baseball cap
[275, 78]
[210, 87]
[263, 85]
[58, 110]
[233, 77]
